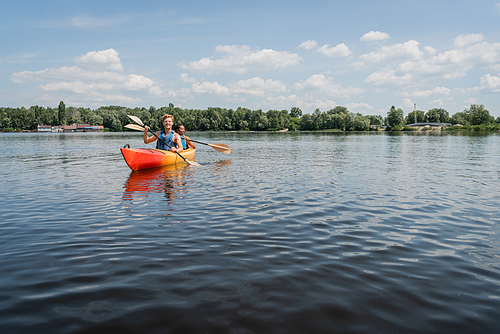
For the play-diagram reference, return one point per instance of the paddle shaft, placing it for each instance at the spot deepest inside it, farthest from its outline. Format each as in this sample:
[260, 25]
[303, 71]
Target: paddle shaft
[219, 147]
[199, 142]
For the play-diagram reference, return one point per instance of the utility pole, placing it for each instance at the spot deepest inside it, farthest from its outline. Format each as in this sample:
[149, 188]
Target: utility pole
[415, 111]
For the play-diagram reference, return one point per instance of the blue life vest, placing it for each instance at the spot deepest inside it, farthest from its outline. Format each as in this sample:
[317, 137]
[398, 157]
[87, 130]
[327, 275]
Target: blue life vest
[184, 144]
[167, 138]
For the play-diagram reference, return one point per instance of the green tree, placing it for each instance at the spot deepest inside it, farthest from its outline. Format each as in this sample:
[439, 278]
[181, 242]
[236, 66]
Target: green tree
[306, 122]
[294, 118]
[458, 118]
[317, 120]
[295, 112]
[477, 115]
[360, 123]
[395, 118]
[340, 118]
[437, 115]
[338, 110]
[96, 120]
[61, 113]
[376, 120]
[278, 119]
[73, 115]
[410, 118]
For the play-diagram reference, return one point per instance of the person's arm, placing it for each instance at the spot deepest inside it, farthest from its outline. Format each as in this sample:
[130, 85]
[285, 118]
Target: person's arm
[148, 139]
[178, 143]
[189, 142]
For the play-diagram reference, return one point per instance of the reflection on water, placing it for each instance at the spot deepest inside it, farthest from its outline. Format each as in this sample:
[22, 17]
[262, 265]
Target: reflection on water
[171, 180]
[167, 179]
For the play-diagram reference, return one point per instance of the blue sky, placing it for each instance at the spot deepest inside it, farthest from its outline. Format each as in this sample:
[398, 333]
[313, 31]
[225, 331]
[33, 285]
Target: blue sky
[364, 55]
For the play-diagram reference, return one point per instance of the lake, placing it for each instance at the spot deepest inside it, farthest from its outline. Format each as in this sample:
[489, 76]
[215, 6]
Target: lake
[291, 233]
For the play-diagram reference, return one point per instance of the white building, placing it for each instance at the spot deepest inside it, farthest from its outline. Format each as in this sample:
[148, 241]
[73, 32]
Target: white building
[45, 128]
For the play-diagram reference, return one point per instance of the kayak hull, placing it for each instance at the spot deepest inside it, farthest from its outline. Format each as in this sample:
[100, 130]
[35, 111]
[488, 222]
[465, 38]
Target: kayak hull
[143, 158]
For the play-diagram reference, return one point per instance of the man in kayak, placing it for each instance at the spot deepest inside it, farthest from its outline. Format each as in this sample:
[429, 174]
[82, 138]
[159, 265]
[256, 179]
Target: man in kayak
[169, 136]
[186, 142]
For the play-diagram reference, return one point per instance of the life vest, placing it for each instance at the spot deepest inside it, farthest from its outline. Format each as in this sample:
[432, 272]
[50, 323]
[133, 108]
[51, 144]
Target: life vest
[167, 138]
[184, 144]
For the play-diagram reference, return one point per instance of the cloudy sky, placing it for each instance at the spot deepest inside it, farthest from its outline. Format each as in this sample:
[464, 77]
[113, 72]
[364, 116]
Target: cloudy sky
[364, 55]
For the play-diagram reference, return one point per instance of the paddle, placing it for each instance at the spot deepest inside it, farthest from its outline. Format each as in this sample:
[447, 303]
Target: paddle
[141, 128]
[219, 147]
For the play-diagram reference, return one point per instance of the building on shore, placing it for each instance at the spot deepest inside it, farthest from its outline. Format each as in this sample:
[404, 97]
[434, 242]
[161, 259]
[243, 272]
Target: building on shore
[45, 128]
[71, 128]
[429, 124]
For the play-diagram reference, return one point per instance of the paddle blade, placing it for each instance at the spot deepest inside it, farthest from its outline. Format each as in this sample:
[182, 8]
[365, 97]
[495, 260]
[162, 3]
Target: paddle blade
[136, 119]
[221, 148]
[193, 163]
[134, 127]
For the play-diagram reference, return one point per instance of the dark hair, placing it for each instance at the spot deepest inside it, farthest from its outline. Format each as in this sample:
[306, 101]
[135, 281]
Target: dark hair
[178, 126]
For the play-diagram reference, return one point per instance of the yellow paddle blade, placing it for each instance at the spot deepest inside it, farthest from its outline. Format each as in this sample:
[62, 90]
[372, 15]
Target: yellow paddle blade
[136, 119]
[134, 127]
[221, 148]
[193, 163]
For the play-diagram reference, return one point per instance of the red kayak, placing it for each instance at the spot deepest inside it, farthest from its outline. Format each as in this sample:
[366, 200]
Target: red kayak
[144, 158]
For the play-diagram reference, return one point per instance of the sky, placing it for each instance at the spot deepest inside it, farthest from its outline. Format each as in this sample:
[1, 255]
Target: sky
[364, 55]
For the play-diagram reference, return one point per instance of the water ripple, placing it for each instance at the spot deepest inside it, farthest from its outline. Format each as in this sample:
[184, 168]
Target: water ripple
[359, 233]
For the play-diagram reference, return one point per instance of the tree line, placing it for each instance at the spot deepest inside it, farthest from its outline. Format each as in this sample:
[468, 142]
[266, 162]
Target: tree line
[113, 118]
[477, 117]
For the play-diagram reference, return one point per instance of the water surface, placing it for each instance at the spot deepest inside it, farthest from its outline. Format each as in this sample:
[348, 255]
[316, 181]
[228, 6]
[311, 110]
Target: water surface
[291, 233]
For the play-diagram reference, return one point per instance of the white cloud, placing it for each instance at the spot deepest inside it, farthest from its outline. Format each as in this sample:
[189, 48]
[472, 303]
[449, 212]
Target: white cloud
[321, 104]
[250, 87]
[186, 79]
[468, 102]
[308, 45]
[490, 83]
[213, 88]
[359, 107]
[408, 104]
[184, 93]
[320, 83]
[464, 40]
[241, 59]
[497, 6]
[138, 82]
[439, 91]
[97, 78]
[440, 102]
[256, 87]
[408, 50]
[64, 73]
[464, 91]
[448, 65]
[75, 87]
[373, 36]
[430, 50]
[341, 50]
[358, 65]
[100, 60]
[388, 77]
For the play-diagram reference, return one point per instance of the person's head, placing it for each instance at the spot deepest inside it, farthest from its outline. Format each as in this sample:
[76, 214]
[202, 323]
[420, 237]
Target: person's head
[179, 128]
[168, 120]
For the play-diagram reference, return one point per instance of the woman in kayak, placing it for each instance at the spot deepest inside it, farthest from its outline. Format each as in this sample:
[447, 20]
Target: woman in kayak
[186, 142]
[168, 136]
